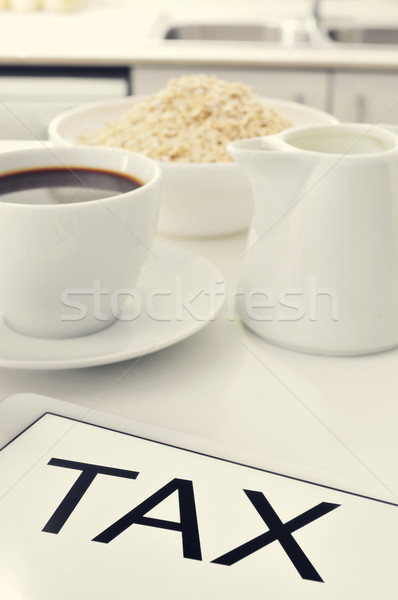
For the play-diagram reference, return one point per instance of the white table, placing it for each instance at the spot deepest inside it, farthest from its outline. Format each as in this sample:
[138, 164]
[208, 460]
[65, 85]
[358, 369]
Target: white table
[333, 420]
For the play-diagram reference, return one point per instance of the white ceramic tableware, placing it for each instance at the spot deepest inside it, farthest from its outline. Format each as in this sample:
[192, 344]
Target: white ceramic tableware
[64, 266]
[25, 5]
[320, 272]
[197, 199]
[179, 293]
[62, 5]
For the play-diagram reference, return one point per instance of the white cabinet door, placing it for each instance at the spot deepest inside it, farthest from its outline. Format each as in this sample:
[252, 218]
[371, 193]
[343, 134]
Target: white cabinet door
[308, 87]
[31, 98]
[366, 97]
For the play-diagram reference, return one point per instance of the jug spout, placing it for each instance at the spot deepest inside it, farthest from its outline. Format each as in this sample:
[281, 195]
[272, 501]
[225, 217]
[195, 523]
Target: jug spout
[278, 174]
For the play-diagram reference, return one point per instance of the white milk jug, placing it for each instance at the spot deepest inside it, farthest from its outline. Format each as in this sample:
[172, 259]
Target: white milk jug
[320, 272]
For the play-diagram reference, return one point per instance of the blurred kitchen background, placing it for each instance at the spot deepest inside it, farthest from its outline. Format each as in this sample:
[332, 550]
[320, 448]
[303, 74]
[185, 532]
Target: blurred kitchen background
[337, 55]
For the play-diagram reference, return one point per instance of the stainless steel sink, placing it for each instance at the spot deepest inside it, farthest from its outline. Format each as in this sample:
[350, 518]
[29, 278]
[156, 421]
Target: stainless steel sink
[286, 32]
[364, 35]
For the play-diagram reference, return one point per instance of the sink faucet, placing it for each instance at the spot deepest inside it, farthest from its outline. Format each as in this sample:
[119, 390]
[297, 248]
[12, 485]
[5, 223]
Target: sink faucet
[316, 12]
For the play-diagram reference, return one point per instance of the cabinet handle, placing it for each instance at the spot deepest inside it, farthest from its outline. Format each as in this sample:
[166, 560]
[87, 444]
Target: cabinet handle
[360, 109]
[299, 98]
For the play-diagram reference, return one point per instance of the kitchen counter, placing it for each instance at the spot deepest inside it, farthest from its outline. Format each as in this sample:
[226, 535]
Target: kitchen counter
[117, 33]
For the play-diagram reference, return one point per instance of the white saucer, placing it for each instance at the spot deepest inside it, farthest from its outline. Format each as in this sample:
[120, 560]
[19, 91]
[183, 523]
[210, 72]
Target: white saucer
[180, 306]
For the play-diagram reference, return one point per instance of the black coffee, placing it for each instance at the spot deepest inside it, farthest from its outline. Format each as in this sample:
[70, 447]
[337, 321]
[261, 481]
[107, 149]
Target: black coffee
[63, 185]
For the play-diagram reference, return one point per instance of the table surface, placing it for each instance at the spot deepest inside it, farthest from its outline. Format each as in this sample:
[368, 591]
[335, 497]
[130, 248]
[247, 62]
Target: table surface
[333, 417]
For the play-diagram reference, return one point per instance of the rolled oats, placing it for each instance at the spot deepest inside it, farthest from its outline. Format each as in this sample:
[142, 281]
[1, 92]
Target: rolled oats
[191, 120]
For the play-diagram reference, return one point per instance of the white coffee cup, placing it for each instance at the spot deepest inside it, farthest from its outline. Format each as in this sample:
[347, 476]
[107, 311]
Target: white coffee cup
[57, 261]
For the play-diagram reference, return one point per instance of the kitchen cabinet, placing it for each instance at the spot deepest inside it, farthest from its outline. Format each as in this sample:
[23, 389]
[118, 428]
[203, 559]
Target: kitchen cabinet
[300, 85]
[367, 97]
[31, 96]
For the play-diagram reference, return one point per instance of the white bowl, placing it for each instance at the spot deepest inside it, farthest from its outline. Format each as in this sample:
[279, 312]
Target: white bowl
[197, 199]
